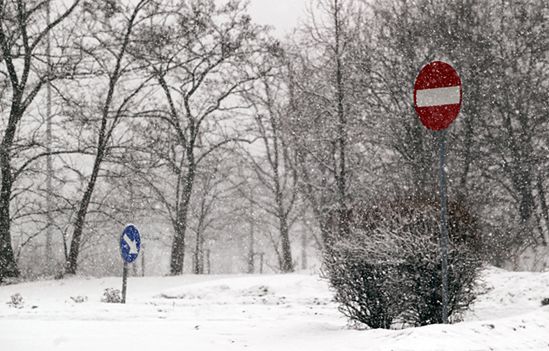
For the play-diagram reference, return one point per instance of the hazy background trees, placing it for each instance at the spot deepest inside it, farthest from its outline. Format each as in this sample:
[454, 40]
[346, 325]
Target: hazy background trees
[232, 150]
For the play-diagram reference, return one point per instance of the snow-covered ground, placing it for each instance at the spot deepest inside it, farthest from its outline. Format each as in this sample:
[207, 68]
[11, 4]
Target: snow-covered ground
[257, 312]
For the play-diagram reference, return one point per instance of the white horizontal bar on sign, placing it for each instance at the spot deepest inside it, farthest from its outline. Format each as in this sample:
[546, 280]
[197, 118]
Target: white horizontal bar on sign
[437, 96]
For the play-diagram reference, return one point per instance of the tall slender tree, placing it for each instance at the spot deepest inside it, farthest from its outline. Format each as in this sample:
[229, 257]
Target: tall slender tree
[108, 48]
[22, 36]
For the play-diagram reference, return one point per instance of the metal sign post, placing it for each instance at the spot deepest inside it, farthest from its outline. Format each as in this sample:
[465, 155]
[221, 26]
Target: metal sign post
[124, 281]
[437, 101]
[443, 225]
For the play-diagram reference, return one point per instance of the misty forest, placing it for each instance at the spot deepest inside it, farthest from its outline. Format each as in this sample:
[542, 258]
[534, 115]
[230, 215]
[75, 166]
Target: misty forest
[236, 151]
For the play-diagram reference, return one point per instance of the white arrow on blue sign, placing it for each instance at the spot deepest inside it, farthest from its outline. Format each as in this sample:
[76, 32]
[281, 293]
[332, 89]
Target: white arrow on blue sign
[130, 243]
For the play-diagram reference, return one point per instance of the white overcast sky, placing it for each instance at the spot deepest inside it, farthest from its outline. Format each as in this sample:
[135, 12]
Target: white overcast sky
[284, 15]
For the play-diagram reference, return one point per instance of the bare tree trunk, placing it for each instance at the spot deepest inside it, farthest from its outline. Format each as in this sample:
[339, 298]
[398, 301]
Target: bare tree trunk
[526, 203]
[341, 173]
[72, 262]
[208, 261]
[198, 254]
[205, 206]
[286, 264]
[286, 250]
[201, 255]
[50, 264]
[544, 209]
[178, 245]
[251, 249]
[303, 250]
[261, 261]
[8, 265]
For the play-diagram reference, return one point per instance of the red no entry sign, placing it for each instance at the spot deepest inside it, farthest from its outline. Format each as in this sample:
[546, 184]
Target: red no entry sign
[437, 95]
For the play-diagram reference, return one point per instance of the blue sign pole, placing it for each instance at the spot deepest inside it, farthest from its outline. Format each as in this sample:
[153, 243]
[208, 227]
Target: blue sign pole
[130, 244]
[124, 281]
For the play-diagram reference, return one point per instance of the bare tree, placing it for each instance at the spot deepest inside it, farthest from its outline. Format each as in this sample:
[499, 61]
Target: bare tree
[274, 165]
[108, 49]
[22, 34]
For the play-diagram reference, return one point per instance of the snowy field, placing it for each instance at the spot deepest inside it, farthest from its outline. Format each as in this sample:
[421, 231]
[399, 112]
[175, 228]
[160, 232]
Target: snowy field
[258, 312]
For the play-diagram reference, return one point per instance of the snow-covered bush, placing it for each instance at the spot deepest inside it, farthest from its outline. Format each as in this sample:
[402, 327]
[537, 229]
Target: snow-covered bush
[79, 299]
[111, 295]
[366, 292]
[423, 281]
[388, 268]
[16, 301]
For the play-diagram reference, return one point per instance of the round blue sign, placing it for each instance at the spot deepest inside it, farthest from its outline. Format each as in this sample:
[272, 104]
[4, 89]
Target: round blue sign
[130, 243]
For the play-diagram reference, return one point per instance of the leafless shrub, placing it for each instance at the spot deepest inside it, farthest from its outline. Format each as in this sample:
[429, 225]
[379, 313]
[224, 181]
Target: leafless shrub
[388, 269]
[16, 301]
[111, 295]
